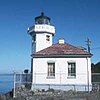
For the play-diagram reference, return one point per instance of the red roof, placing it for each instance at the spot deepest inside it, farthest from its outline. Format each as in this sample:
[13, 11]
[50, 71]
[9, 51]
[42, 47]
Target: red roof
[62, 49]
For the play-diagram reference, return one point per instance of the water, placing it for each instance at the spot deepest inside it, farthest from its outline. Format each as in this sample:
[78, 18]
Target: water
[6, 83]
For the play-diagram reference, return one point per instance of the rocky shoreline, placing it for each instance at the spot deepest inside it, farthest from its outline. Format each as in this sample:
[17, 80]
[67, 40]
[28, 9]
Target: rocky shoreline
[51, 94]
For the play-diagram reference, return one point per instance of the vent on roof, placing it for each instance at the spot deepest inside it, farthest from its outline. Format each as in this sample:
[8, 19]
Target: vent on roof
[61, 41]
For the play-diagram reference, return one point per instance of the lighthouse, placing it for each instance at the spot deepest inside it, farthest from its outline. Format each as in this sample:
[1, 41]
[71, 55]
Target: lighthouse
[42, 33]
[49, 62]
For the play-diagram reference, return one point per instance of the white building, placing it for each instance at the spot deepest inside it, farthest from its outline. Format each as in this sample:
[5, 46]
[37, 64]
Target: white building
[60, 65]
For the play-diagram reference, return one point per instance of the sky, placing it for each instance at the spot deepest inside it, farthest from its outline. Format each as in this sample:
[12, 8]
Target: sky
[74, 20]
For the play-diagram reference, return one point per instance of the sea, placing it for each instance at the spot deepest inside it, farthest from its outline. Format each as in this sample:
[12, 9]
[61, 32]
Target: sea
[6, 83]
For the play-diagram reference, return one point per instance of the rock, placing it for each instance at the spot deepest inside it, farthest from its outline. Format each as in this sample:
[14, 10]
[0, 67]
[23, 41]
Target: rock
[26, 94]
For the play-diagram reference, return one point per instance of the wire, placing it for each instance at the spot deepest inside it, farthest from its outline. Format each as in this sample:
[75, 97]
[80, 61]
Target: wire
[95, 48]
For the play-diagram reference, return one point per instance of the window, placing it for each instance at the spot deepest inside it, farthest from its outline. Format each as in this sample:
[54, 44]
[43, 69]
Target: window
[41, 21]
[51, 70]
[71, 69]
[47, 37]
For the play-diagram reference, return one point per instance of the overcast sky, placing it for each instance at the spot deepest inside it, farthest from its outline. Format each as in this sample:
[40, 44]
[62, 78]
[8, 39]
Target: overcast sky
[74, 20]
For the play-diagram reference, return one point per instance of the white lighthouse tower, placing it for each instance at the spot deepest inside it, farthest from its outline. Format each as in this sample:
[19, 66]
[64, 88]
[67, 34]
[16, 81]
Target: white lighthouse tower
[42, 33]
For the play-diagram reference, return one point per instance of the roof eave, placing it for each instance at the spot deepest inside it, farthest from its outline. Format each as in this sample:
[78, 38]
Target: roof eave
[61, 55]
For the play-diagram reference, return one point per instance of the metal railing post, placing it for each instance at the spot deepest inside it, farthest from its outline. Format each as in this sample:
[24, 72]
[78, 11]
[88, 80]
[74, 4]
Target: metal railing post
[14, 85]
[20, 78]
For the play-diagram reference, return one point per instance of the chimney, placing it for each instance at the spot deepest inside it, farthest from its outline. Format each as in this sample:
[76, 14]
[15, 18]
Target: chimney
[61, 41]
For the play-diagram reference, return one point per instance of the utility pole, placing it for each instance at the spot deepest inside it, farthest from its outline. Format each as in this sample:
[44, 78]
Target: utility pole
[88, 43]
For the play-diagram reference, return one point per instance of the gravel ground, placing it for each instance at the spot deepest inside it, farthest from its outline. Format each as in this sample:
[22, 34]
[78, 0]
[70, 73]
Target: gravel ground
[25, 94]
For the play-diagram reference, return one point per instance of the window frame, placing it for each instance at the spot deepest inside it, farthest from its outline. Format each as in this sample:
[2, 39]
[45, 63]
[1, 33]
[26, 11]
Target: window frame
[72, 69]
[48, 38]
[51, 70]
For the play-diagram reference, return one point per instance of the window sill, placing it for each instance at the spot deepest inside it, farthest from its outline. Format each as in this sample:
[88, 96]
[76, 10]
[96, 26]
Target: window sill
[71, 77]
[50, 77]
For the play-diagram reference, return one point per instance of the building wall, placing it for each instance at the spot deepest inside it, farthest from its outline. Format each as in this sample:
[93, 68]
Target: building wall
[61, 71]
[41, 42]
